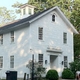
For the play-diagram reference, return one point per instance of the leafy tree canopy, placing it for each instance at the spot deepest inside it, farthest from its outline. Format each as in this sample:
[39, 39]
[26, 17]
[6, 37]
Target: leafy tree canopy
[6, 16]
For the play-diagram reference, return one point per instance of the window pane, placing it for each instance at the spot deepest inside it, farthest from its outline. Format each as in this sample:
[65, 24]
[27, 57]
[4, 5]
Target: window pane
[40, 35]
[53, 17]
[12, 36]
[11, 61]
[40, 59]
[65, 61]
[1, 62]
[1, 38]
[64, 37]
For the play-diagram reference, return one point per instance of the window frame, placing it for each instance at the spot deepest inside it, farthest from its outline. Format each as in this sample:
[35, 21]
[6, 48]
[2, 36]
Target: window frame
[53, 18]
[1, 39]
[1, 61]
[24, 11]
[12, 36]
[64, 37]
[29, 11]
[12, 61]
[40, 33]
[40, 59]
[65, 61]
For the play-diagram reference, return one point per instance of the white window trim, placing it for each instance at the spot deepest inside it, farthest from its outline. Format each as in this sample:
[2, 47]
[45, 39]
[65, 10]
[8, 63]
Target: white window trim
[65, 38]
[66, 62]
[1, 62]
[40, 33]
[40, 60]
[1, 40]
[11, 62]
[12, 36]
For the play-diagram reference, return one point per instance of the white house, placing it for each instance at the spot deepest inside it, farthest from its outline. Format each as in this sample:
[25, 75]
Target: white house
[49, 35]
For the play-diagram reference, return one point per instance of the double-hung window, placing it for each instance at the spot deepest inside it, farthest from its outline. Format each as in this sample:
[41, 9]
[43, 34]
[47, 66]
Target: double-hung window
[11, 61]
[65, 38]
[1, 38]
[12, 36]
[40, 59]
[1, 61]
[40, 34]
[65, 62]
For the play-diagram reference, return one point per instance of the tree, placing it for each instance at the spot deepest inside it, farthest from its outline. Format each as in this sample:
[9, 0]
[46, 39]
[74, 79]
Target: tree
[38, 69]
[6, 16]
[16, 6]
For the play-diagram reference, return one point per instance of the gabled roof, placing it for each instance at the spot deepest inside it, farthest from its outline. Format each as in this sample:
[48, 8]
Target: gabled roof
[18, 24]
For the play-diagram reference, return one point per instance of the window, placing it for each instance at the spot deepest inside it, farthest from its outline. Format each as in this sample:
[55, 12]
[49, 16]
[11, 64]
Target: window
[64, 37]
[12, 36]
[11, 61]
[1, 61]
[29, 11]
[1, 38]
[24, 11]
[65, 61]
[40, 59]
[40, 35]
[53, 17]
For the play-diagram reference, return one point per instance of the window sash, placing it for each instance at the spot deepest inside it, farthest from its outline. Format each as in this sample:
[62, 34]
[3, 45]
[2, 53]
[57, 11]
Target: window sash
[40, 59]
[53, 17]
[24, 11]
[11, 61]
[65, 61]
[1, 62]
[29, 11]
[1, 38]
[12, 36]
[65, 37]
[40, 34]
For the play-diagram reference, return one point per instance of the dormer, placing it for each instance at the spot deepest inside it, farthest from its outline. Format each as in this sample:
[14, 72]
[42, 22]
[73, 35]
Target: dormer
[26, 10]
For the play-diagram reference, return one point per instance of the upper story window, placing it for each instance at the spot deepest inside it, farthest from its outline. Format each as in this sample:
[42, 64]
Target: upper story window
[12, 36]
[24, 11]
[30, 11]
[40, 34]
[53, 18]
[65, 62]
[11, 61]
[64, 38]
[1, 61]
[40, 59]
[1, 38]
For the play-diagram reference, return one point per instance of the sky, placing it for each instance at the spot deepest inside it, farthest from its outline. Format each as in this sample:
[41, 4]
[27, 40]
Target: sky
[9, 3]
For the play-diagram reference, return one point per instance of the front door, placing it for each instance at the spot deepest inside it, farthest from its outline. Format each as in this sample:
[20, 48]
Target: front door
[53, 61]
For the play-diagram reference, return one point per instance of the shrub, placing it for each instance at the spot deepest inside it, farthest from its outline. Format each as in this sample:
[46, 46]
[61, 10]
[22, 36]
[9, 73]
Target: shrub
[67, 74]
[52, 75]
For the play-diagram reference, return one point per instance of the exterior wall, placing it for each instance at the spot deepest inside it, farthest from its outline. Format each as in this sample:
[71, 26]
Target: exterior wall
[52, 36]
[20, 50]
[27, 38]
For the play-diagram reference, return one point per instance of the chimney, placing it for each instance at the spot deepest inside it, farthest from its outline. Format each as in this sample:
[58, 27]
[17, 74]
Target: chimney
[26, 10]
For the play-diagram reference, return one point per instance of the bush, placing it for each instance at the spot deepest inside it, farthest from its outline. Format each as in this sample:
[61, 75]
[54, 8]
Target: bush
[52, 75]
[67, 74]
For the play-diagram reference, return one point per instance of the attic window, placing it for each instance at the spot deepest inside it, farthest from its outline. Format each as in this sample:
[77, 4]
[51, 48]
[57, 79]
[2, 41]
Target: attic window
[53, 17]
